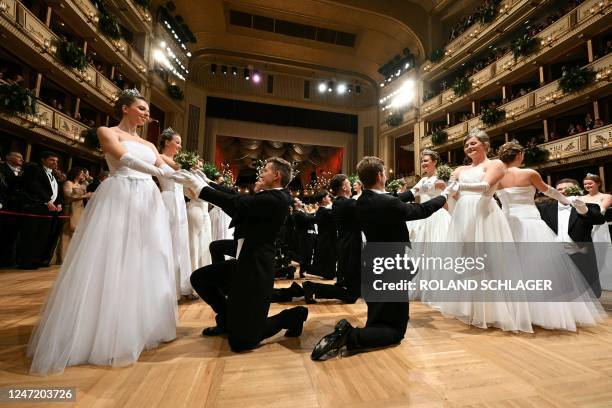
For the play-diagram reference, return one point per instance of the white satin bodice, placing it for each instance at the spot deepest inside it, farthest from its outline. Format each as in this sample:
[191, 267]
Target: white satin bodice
[519, 202]
[139, 150]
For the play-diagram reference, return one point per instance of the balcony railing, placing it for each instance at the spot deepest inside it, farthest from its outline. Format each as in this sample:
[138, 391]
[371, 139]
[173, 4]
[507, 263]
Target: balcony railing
[595, 139]
[564, 28]
[36, 36]
[530, 104]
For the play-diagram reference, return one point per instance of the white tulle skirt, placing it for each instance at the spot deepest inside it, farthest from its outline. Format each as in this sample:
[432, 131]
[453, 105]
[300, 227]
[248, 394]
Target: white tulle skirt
[177, 213]
[543, 260]
[200, 234]
[478, 219]
[220, 222]
[603, 252]
[115, 293]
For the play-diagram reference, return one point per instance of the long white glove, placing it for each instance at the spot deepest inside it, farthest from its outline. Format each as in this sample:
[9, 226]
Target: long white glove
[451, 189]
[142, 166]
[189, 180]
[578, 204]
[202, 175]
[480, 187]
[556, 195]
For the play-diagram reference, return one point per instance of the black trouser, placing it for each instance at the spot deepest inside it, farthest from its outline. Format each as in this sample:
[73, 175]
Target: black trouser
[220, 248]
[55, 230]
[331, 291]
[587, 264]
[9, 230]
[386, 326]
[306, 251]
[33, 241]
[239, 291]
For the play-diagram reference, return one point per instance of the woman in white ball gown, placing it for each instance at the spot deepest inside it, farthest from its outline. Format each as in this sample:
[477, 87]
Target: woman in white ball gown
[571, 303]
[200, 231]
[601, 233]
[170, 144]
[115, 293]
[434, 228]
[478, 219]
[219, 220]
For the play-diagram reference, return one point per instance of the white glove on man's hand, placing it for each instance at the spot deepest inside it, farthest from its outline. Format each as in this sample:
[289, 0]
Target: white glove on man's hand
[189, 180]
[578, 204]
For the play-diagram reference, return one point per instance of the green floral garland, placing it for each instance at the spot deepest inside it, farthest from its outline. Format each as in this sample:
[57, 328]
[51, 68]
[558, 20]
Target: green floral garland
[15, 98]
[439, 137]
[91, 137]
[211, 171]
[576, 79]
[175, 92]
[461, 86]
[109, 25]
[436, 55]
[523, 46]
[535, 154]
[71, 55]
[394, 119]
[491, 116]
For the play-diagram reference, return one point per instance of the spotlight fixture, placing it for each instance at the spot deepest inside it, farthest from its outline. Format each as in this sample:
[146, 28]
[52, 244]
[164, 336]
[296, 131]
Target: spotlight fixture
[349, 88]
[322, 87]
[223, 69]
[213, 69]
[234, 71]
[341, 89]
[247, 74]
[256, 77]
[330, 86]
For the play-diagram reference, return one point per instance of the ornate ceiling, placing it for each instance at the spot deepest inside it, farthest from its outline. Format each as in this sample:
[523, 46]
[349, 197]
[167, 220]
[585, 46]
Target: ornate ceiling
[382, 28]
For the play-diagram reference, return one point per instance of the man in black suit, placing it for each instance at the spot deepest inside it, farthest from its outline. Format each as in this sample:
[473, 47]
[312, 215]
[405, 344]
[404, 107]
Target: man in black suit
[574, 224]
[382, 218]
[347, 287]
[325, 256]
[39, 195]
[10, 175]
[239, 290]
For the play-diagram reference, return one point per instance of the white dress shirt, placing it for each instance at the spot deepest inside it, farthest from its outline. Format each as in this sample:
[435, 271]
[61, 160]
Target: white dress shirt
[16, 170]
[563, 228]
[53, 182]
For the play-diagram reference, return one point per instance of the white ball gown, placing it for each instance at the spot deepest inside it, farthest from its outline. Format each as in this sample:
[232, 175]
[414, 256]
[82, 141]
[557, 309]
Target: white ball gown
[174, 200]
[115, 293]
[220, 222]
[541, 258]
[200, 233]
[427, 231]
[478, 219]
[603, 253]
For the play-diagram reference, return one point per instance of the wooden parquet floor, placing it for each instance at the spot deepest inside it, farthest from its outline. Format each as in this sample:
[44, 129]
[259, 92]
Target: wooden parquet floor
[440, 363]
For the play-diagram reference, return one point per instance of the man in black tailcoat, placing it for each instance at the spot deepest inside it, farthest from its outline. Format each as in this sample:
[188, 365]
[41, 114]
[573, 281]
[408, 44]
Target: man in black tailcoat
[10, 176]
[239, 290]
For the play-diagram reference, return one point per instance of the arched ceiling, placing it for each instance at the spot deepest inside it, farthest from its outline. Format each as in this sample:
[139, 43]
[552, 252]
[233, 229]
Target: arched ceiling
[383, 29]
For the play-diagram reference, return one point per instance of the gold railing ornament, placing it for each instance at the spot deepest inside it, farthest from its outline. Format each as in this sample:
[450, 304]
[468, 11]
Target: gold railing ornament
[49, 47]
[3, 6]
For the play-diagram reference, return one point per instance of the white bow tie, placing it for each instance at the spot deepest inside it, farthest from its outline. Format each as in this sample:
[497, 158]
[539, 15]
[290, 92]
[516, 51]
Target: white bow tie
[565, 207]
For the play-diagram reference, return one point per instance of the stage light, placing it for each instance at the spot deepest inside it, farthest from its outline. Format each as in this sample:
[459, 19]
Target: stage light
[223, 69]
[322, 87]
[341, 89]
[256, 77]
[213, 69]
[330, 86]
[404, 95]
[246, 74]
[188, 54]
[162, 44]
[234, 71]
[349, 89]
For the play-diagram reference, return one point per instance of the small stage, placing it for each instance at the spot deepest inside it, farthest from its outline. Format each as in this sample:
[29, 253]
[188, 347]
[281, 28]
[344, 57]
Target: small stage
[440, 363]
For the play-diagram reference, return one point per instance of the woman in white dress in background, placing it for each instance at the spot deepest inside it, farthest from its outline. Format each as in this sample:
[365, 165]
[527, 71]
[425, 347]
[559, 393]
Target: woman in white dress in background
[601, 233]
[571, 303]
[478, 222]
[434, 228]
[219, 220]
[200, 233]
[115, 292]
[174, 199]
[358, 187]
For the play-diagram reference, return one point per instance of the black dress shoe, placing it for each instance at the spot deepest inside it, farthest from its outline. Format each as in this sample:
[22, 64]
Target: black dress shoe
[298, 316]
[296, 290]
[214, 331]
[333, 342]
[308, 293]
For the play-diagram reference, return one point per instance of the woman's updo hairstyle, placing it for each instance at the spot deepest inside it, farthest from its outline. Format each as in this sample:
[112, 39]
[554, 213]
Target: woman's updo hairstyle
[508, 152]
[480, 135]
[595, 178]
[126, 98]
[166, 136]
[433, 155]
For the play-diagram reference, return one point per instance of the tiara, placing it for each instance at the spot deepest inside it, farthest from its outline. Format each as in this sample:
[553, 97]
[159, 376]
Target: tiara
[591, 175]
[168, 132]
[130, 92]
